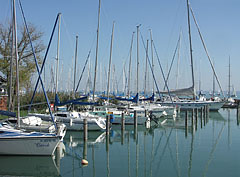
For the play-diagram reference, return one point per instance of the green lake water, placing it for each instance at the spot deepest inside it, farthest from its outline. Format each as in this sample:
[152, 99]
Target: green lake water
[208, 149]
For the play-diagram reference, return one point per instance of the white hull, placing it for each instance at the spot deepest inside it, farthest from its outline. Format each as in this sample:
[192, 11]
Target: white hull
[28, 145]
[187, 105]
[130, 120]
[76, 124]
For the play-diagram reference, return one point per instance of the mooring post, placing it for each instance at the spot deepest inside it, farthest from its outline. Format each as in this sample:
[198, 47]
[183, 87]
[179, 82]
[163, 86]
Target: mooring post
[201, 115]
[85, 129]
[85, 138]
[238, 113]
[107, 123]
[192, 117]
[205, 115]
[146, 113]
[135, 124]
[186, 123]
[123, 122]
[196, 118]
[122, 128]
[135, 118]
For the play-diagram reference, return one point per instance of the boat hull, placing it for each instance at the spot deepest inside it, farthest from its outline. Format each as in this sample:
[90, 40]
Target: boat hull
[28, 145]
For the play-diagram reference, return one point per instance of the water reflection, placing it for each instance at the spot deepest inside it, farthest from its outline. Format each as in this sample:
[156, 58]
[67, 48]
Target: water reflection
[32, 165]
[209, 149]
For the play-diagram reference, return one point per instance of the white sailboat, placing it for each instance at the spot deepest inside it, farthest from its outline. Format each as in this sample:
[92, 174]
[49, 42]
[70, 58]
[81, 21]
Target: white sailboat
[214, 104]
[14, 141]
[75, 120]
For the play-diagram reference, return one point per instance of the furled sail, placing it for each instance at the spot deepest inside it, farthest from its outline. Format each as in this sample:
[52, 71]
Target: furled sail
[181, 92]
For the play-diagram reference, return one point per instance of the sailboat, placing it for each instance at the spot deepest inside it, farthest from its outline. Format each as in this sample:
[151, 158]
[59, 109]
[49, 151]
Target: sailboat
[214, 104]
[15, 141]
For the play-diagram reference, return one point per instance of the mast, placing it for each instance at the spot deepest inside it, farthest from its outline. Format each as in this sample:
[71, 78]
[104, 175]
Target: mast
[152, 56]
[74, 93]
[17, 71]
[95, 71]
[229, 81]
[145, 79]
[178, 60]
[10, 106]
[58, 45]
[190, 47]
[110, 60]
[213, 93]
[138, 57]
[129, 70]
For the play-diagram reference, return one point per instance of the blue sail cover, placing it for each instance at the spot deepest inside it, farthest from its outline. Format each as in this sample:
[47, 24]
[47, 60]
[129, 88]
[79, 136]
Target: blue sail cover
[148, 99]
[104, 98]
[84, 103]
[8, 113]
[58, 103]
[134, 100]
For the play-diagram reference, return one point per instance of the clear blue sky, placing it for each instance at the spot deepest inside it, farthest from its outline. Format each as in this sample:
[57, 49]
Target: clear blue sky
[218, 20]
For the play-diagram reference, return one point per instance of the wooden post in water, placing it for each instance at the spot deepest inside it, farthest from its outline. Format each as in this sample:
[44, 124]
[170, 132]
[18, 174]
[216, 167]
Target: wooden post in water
[196, 118]
[107, 131]
[122, 128]
[123, 122]
[201, 115]
[85, 138]
[205, 115]
[238, 113]
[107, 124]
[85, 129]
[135, 124]
[135, 118]
[192, 117]
[186, 123]
[146, 113]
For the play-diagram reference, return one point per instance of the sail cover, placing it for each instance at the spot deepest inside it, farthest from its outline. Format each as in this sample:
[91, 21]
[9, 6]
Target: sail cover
[181, 92]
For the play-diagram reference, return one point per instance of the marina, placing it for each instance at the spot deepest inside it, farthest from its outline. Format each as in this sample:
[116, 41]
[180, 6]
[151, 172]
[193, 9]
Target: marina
[117, 89]
[208, 150]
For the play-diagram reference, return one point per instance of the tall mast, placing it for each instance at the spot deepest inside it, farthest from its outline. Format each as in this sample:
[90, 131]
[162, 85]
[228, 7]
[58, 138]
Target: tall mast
[58, 46]
[178, 60]
[152, 56]
[95, 71]
[213, 93]
[10, 106]
[110, 61]
[75, 66]
[190, 47]
[145, 79]
[17, 71]
[229, 81]
[137, 57]
[129, 70]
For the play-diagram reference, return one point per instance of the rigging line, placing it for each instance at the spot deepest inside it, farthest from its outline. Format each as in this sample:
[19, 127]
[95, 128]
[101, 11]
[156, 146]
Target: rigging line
[164, 149]
[86, 61]
[173, 26]
[68, 34]
[175, 51]
[149, 62]
[171, 154]
[205, 48]
[82, 71]
[162, 73]
[44, 60]
[37, 66]
[213, 150]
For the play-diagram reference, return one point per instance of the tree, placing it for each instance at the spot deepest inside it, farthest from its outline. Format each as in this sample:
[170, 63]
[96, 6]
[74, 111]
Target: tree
[26, 60]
